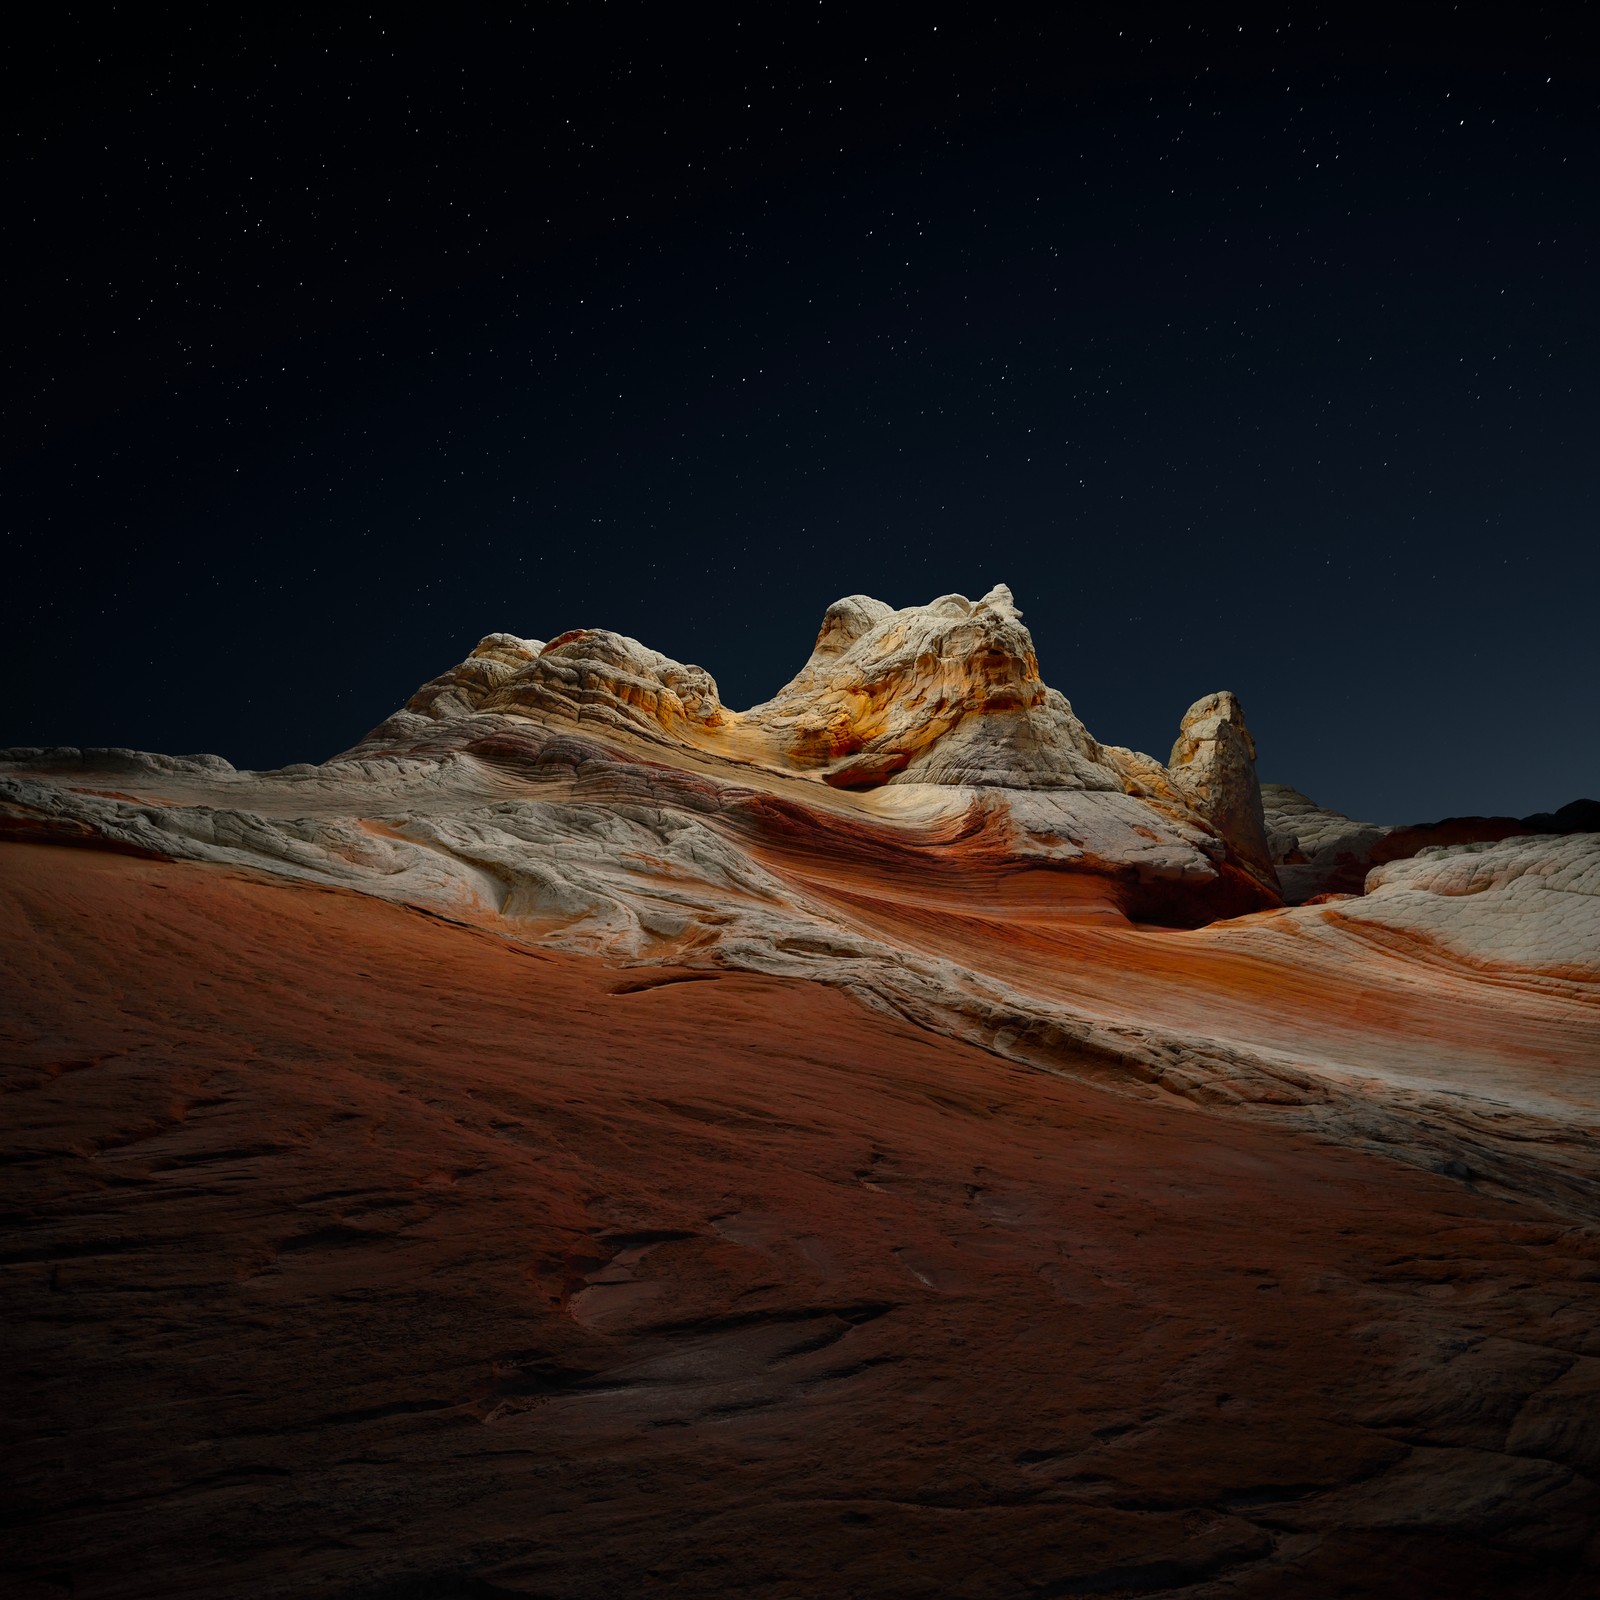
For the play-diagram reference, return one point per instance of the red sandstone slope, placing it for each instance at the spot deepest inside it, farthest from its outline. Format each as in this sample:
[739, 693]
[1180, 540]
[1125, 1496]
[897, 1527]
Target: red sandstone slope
[354, 1251]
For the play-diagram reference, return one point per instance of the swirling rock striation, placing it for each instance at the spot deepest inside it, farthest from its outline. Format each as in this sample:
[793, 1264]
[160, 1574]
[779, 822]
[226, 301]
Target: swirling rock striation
[947, 694]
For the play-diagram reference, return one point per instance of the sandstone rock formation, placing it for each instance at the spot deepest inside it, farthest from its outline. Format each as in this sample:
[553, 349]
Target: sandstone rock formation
[947, 695]
[1317, 851]
[1528, 903]
[588, 675]
[752, 1152]
[1213, 764]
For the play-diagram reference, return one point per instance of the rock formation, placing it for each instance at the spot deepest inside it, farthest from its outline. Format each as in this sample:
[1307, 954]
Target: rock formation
[1316, 851]
[946, 695]
[1213, 764]
[883, 1141]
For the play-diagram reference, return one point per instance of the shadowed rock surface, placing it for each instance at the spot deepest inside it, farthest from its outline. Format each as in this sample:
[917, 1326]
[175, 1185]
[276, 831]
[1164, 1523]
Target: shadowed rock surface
[882, 1143]
[1317, 851]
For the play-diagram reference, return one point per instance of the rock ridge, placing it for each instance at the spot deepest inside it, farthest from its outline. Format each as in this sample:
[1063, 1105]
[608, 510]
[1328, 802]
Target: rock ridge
[947, 694]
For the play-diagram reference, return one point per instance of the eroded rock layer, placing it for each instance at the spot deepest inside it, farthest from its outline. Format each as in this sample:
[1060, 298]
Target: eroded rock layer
[881, 1142]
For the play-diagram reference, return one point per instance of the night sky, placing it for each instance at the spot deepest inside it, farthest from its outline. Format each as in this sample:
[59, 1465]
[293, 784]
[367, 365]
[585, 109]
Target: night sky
[1257, 353]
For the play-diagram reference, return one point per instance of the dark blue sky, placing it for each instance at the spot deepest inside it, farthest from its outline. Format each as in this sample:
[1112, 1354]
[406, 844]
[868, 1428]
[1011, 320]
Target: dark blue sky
[1260, 355]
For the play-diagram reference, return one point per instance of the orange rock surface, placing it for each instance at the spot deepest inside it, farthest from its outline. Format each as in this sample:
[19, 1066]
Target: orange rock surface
[356, 1251]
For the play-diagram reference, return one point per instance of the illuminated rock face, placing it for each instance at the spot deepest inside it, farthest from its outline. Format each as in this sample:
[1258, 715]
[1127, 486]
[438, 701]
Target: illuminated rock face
[462, 691]
[1530, 903]
[1213, 765]
[946, 694]
[588, 675]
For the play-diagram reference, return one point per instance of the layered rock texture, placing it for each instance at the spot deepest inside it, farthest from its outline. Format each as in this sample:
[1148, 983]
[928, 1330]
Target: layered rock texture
[1315, 851]
[586, 1139]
